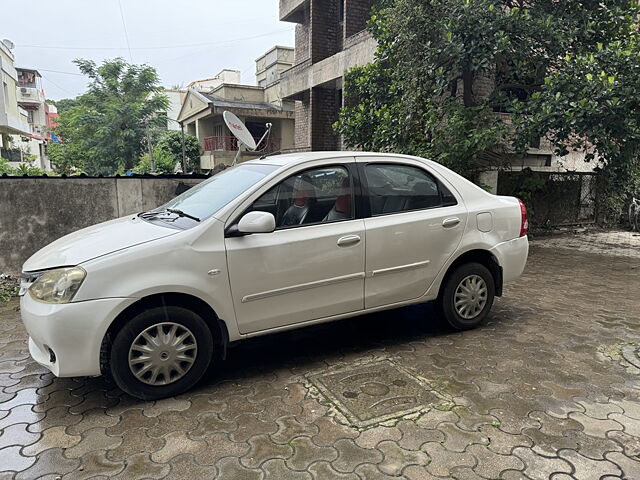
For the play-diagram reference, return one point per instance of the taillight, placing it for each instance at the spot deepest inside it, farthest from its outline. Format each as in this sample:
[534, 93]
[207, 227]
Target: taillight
[524, 222]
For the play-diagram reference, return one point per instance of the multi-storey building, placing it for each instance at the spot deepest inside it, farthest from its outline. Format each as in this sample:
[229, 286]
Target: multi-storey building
[256, 105]
[330, 38]
[32, 99]
[13, 119]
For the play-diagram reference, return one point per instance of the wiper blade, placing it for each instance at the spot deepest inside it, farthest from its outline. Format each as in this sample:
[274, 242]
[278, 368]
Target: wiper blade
[182, 214]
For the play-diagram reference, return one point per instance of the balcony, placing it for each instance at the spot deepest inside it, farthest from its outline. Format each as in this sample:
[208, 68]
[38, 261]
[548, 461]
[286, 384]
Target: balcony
[292, 10]
[230, 144]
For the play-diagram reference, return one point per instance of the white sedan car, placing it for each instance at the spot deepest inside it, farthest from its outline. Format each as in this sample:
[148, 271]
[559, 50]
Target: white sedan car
[268, 245]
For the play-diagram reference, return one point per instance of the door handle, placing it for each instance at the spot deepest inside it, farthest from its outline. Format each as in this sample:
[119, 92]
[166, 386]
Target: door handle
[348, 240]
[450, 222]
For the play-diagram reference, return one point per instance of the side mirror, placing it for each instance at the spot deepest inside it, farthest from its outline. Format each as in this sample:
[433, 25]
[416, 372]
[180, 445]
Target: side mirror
[257, 222]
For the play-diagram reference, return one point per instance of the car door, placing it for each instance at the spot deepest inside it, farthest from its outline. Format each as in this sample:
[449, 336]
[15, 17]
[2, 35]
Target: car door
[312, 265]
[415, 225]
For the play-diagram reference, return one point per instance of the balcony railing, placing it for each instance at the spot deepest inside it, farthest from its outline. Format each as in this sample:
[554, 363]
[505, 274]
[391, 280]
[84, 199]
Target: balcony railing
[229, 144]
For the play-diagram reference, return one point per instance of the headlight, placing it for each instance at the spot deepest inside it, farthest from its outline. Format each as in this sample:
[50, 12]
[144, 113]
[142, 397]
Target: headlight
[57, 286]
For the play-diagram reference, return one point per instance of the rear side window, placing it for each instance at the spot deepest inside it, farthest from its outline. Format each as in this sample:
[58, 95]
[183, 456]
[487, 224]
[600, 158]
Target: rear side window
[397, 188]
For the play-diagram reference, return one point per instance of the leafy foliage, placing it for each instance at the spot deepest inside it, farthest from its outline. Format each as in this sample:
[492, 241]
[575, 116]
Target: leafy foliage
[438, 80]
[171, 144]
[105, 131]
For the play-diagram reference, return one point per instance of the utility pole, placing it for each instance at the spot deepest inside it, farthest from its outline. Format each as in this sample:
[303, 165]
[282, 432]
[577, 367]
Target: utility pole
[150, 147]
[184, 153]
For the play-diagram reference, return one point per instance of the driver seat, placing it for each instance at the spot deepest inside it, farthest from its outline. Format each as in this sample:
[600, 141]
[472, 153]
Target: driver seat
[303, 195]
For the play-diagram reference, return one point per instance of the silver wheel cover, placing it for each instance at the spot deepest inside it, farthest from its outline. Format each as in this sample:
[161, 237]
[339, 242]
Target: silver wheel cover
[163, 353]
[470, 297]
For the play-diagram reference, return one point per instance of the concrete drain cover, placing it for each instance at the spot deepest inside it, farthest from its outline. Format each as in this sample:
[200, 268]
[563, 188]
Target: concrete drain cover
[376, 392]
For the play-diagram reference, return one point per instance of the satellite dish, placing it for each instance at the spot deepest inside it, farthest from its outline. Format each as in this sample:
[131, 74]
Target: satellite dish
[239, 130]
[10, 45]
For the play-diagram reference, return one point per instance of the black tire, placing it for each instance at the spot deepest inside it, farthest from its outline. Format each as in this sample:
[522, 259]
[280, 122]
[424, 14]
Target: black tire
[122, 373]
[446, 302]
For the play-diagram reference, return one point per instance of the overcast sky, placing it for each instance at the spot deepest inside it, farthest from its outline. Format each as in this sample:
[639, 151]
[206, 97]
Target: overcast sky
[184, 40]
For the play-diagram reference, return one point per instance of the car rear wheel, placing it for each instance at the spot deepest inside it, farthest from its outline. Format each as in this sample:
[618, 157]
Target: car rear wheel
[161, 352]
[467, 296]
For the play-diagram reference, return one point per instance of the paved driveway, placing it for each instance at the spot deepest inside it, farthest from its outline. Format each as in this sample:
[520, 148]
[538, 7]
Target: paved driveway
[549, 388]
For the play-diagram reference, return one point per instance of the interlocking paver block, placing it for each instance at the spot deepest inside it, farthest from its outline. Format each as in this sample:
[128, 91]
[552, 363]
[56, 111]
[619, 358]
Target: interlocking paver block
[184, 467]
[276, 469]
[396, 458]
[129, 420]
[12, 460]
[134, 441]
[289, 427]
[490, 464]
[17, 434]
[598, 410]
[230, 469]
[305, 452]
[176, 443]
[443, 459]
[323, 470]
[630, 466]
[371, 437]
[219, 446]
[351, 455]
[50, 462]
[94, 439]
[329, 431]
[51, 438]
[96, 465]
[595, 427]
[458, 440]
[141, 466]
[538, 467]
[588, 469]
[262, 449]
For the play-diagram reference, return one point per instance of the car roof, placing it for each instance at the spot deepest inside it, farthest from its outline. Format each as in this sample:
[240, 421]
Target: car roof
[290, 159]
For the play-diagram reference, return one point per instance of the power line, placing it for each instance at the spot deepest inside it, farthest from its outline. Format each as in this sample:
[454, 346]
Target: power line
[160, 47]
[126, 35]
[58, 71]
[58, 86]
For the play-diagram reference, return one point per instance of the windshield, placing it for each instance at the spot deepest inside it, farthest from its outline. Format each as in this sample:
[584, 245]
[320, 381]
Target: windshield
[208, 197]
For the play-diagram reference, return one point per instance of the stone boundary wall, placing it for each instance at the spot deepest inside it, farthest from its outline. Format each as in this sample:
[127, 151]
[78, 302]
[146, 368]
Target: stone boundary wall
[35, 211]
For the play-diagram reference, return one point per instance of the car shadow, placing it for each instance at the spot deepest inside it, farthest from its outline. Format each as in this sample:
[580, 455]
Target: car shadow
[303, 348]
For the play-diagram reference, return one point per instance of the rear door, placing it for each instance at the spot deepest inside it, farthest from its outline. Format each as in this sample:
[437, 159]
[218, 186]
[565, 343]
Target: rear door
[415, 226]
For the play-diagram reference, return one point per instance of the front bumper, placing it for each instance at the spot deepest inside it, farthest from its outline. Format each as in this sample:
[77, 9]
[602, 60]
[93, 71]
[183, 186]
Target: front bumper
[512, 257]
[66, 338]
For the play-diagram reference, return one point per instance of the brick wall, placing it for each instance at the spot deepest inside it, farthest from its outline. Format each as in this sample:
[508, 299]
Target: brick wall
[357, 13]
[303, 32]
[325, 29]
[303, 122]
[324, 113]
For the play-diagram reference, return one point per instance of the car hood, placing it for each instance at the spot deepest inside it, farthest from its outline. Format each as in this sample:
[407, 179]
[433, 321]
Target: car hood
[96, 241]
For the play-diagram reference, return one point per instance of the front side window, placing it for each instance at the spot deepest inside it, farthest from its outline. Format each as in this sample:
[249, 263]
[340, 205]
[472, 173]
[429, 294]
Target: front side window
[319, 195]
[394, 188]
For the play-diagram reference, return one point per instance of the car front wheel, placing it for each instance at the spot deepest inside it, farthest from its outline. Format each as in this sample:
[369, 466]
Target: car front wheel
[467, 296]
[161, 352]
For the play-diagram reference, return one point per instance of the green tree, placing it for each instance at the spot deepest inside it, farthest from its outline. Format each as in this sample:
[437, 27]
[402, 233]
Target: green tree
[171, 144]
[106, 131]
[438, 80]
[164, 163]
